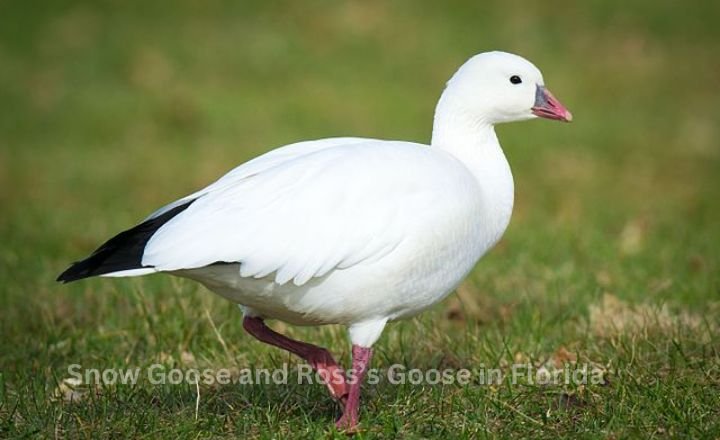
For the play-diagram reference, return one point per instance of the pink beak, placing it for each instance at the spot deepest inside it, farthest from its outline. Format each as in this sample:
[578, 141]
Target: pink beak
[547, 106]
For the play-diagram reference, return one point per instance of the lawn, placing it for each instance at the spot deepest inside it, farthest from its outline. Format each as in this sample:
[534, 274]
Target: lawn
[611, 262]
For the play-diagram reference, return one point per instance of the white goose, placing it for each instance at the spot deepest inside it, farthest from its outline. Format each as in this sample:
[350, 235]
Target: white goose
[347, 231]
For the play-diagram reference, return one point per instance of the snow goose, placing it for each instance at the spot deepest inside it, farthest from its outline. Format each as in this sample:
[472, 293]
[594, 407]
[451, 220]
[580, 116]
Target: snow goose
[350, 231]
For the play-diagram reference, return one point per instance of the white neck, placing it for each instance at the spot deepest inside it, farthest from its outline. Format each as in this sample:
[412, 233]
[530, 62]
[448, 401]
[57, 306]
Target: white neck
[474, 143]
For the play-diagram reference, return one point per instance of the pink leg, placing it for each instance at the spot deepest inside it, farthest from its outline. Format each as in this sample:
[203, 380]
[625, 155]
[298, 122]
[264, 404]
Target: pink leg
[318, 358]
[360, 360]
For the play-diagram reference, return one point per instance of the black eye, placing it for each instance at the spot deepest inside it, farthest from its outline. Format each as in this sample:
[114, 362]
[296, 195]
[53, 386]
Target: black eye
[515, 79]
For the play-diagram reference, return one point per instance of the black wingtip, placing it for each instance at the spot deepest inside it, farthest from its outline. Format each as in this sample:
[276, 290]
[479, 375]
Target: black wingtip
[122, 252]
[72, 273]
[64, 277]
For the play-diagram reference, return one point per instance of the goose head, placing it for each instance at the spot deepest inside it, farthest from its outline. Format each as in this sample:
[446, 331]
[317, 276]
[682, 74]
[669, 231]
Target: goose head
[497, 87]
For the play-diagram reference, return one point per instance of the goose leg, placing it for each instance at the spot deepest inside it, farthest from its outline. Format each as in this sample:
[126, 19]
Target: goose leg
[319, 358]
[360, 360]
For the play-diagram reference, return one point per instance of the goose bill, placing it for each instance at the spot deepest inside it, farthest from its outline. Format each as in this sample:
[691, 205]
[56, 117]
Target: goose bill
[547, 106]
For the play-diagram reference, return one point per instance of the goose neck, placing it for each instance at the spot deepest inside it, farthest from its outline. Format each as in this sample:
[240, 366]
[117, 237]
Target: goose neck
[474, 143]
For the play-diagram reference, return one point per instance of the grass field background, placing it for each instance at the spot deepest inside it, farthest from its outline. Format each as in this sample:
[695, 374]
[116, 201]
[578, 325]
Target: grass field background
[110, 109]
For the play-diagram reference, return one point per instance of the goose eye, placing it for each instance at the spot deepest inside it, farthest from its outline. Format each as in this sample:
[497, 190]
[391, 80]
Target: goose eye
[515, 79]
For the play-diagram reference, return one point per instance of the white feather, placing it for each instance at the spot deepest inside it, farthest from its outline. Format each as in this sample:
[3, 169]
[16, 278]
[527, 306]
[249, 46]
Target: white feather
[313, 212]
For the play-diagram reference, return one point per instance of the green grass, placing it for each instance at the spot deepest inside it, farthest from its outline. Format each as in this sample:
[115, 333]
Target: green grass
[110, 109]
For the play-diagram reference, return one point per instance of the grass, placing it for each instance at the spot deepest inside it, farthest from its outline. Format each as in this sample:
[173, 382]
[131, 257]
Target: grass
[111, 109]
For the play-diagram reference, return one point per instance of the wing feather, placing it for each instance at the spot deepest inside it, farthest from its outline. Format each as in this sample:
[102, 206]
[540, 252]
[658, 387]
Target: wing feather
[301, 217]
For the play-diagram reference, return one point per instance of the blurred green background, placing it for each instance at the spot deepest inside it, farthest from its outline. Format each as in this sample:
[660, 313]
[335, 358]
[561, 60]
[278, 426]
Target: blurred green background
[110, 109]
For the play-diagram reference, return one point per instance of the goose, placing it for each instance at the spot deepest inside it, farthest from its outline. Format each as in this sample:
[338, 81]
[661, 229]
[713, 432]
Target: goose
[351, 231]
